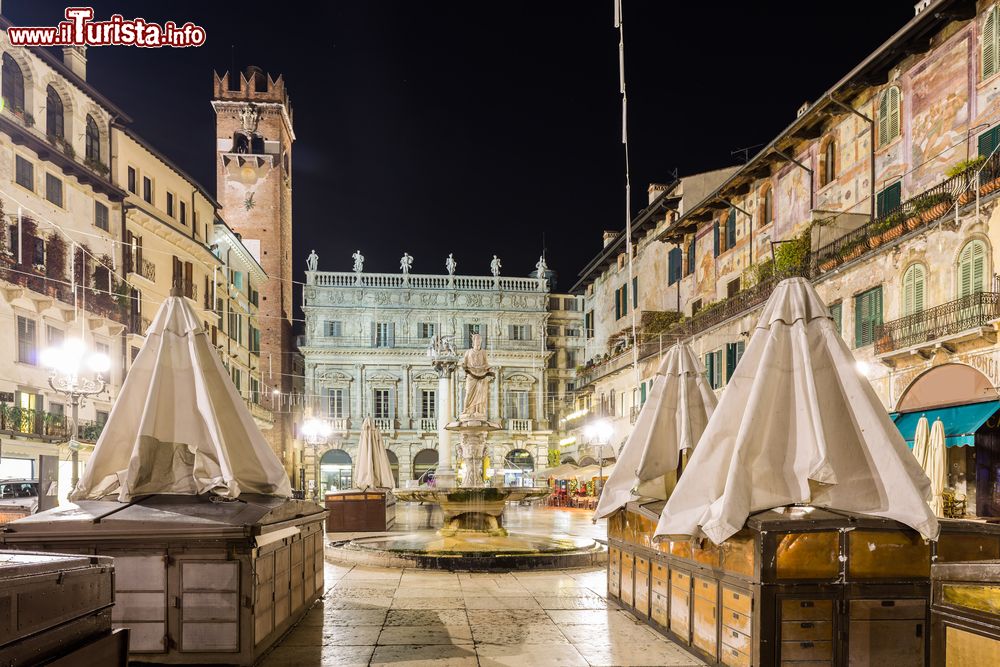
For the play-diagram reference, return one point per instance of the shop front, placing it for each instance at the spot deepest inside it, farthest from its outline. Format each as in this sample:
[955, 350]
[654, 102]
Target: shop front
[967, 404]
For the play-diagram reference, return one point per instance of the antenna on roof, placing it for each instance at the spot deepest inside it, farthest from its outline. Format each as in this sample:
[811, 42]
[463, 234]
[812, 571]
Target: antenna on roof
[675, 173]
[745, 152]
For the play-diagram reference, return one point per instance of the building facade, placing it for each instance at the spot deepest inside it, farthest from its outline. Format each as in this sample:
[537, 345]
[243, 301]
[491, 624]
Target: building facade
[883, 193]
[365, 354]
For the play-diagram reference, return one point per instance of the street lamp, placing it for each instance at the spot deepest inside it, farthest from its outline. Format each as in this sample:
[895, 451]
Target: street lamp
[599, 431]
[316, 433]
[66, 363]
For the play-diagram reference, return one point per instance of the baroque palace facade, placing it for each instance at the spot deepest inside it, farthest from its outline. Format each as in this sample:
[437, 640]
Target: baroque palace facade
[98, 226]
[883, 192]
[365, 354]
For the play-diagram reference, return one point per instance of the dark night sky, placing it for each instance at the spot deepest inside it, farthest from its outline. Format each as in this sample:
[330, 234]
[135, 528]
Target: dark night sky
[474, 127]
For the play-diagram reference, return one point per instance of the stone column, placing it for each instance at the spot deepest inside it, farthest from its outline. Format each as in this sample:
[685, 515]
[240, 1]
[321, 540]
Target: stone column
[445, 476]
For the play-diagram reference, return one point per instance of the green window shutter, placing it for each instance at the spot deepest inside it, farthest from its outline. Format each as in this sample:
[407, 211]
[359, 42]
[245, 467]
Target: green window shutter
[741, 347]
[730, 360]
[642, 394]
[618, 305]
[888, 199]
[867, 315]
[691, 257]
[978, 265]
[913, 290]
[989, 43]
[971, 268]
[635, 292]
[837, 313]
[883, 119]
[988, 141]
[624, 299]
[717, 367]
[715, 238]
[894, 113]
[731, 229]
[709, 370]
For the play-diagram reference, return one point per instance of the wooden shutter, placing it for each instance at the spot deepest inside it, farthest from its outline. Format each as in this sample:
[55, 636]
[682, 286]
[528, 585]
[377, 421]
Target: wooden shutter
[988, 141]
[715, 237]
[837, 313]
[731, 229]
[894, 114]
[730, 359]
[971, 269]
[691, 257]
[883, 119]
[913, 290]
[989, 43]
[635, 286]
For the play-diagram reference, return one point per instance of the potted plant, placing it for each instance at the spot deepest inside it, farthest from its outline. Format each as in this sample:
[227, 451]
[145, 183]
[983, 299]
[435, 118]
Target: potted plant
[966, 168]
[934, 206]
[852, 250]
[989, 184]
[829, 262]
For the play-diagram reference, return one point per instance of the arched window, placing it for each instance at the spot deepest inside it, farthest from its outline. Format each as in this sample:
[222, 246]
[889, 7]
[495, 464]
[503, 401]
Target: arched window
[54, 125]
[93, 140]
[424, 463]
[913, 289]
[13, 84]
[828, 170]
[888, 116]
[335, 471]
[972, 268]
[766, 206]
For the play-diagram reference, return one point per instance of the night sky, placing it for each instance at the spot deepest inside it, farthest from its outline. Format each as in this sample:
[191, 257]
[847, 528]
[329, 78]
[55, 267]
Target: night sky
[477, 127]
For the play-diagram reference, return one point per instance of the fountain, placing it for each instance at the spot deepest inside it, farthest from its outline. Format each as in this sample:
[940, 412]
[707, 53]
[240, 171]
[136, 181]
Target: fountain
[473, 535]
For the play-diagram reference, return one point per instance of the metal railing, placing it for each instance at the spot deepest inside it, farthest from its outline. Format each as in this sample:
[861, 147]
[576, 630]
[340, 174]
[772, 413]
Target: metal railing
[24, 421]
[412, 342]
[142, 267]
[969, 312]
[424, 281]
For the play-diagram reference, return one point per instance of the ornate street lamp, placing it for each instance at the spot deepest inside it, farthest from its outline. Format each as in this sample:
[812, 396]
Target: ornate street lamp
[316, 432]
[69, 364]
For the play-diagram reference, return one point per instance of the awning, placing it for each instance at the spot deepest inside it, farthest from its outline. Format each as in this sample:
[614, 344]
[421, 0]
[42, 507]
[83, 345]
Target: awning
[960, 422]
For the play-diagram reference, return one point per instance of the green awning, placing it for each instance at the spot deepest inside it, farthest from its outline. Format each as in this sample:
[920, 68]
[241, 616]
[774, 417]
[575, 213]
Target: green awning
[960, 422]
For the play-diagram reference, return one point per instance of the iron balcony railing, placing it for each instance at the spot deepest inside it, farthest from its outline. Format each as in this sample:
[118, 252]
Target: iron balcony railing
[969, 312]
[24, 421]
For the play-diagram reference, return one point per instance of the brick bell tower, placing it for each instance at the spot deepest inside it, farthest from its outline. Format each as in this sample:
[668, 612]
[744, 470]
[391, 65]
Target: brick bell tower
[254, 135]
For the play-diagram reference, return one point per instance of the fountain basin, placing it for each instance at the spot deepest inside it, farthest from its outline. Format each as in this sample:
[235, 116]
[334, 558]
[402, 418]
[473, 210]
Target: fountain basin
[472, 509]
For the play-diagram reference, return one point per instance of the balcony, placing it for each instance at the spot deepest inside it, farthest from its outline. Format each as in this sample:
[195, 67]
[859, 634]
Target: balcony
[143, 268]
[519, 425]
[420, 281]
[45, 425]
[384, 424]
[340, 424]
[428, 425]
[260, 413]
[411, 343]
[912, 215]
[964, 319]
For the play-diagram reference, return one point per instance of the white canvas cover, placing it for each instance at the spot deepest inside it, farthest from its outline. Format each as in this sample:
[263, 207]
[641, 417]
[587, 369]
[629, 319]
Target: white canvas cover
[920, 438]
[797, 424]
[671, 420]
[372, 470]
[179, 426]
[937, 467]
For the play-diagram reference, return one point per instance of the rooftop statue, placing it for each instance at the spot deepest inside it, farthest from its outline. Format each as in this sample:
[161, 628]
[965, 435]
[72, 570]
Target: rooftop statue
[495, 266]
[359, 261]
[312, 261]
[406, 263]
[450, 264]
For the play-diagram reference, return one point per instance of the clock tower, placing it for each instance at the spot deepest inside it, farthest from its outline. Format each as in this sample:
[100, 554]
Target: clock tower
[254, 135]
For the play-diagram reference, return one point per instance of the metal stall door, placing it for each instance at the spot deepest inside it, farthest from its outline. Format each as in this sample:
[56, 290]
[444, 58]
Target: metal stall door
[887, 632]
[141, 600]
[209, 605]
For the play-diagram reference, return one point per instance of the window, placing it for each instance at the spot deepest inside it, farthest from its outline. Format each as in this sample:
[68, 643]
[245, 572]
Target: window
[54, 121]
[255, 390]
[24, 173]
[132, 181]
[990, 46]
[101, 216]
[237, 376]
[92, 140]
[572, 332]
[766, 206]
[570, 304]
[427, 330]
[715, 239]
[26, 345]
[889, 199]
[381, 404]
[621, 301]
[54, 336]
[731, 229]
[732, 287]
[913, 289]
[520, 332]
[635, 292]
[695, 307]
[333, 329]
[54, 189]
[184, 213]
[713, 368]
[254, 340]
[734, 352]
[103, 348]
[588, 323]
[828, 167]
[888, 116]
[988, 141]
[13, 85]
[690, 257]
[383, 334]
[335, 405]
[517, 405]
[147, 189]
[867, 316]
[38, 251]
[471, 329]
[428, 404]
[971, 268]
[170, 204]
[674, 268]
[837, 313]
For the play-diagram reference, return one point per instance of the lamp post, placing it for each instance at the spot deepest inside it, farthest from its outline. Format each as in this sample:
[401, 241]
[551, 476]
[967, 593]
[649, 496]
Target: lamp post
[65, 363]
[599, 431]
[316, 432]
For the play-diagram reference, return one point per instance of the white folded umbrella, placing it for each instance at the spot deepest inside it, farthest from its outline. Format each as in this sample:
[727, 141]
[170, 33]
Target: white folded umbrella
[179, 426]
[937, 466]
[920, 437]
[798, 424]
[372, 470]
[671, 420]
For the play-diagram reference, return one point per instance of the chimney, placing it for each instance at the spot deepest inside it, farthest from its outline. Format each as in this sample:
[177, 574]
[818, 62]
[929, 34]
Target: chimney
[609, 236]
[75, 58]
[655, 190]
